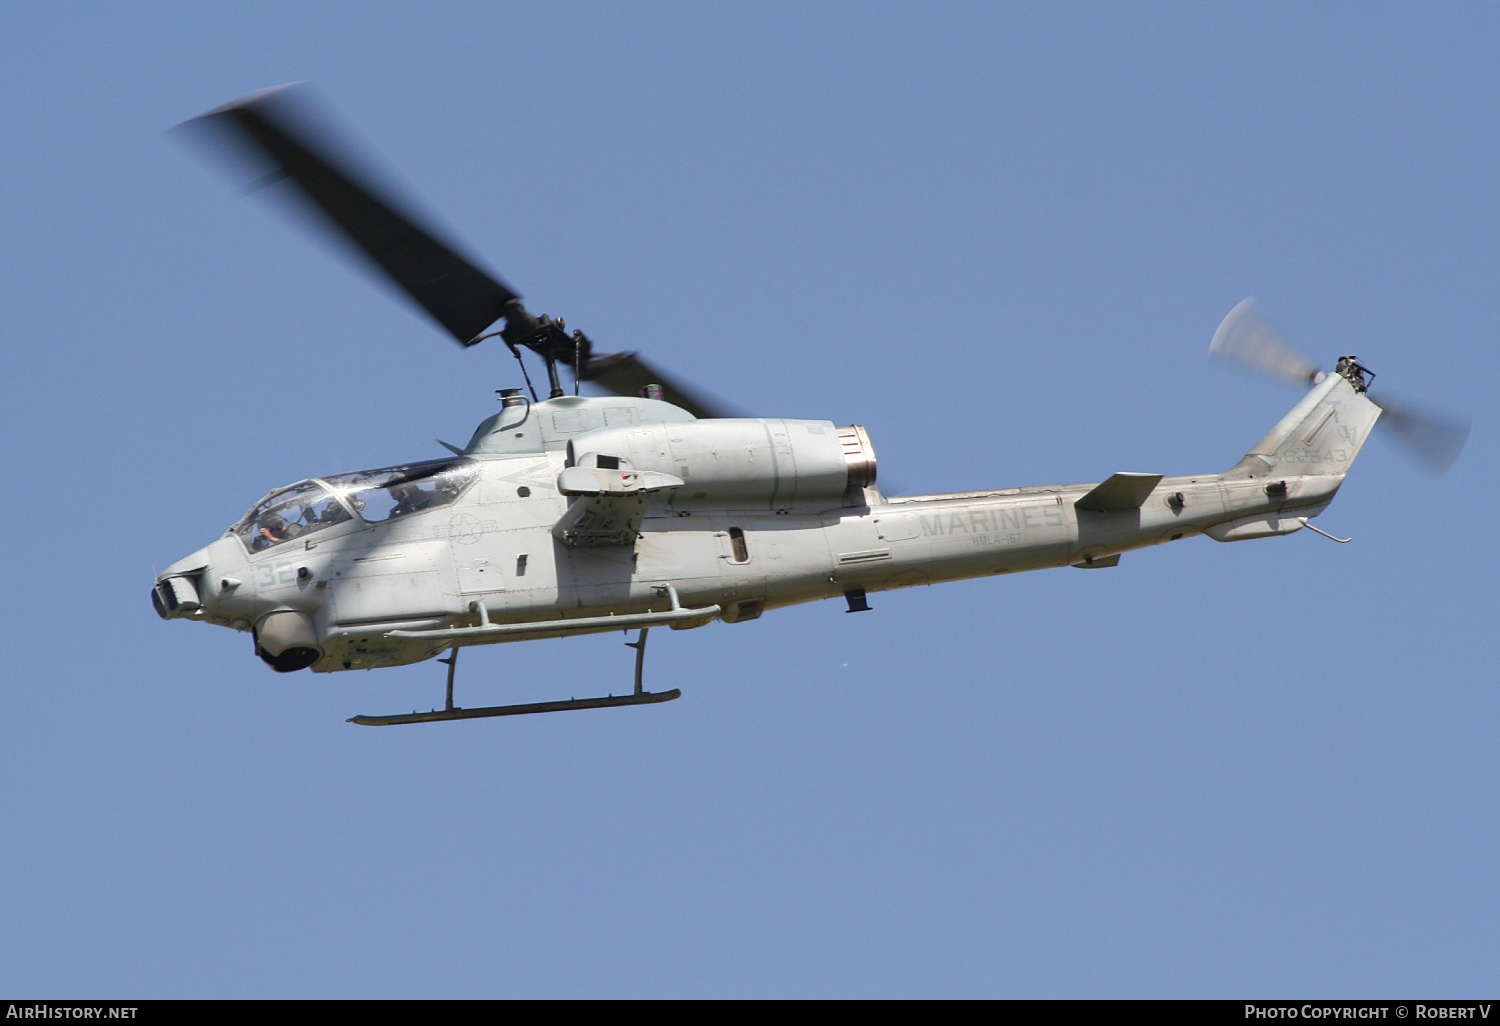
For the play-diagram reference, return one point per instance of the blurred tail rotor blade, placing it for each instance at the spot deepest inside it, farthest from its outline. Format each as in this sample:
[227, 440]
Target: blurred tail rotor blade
[284, 135]
[1246, 339]
[1434, 439]
[628, 374]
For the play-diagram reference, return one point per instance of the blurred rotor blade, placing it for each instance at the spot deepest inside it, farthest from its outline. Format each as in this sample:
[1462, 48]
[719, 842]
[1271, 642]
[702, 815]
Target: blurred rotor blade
[1433, 438]
[628, 374]
[281, 131]
[1246, 339]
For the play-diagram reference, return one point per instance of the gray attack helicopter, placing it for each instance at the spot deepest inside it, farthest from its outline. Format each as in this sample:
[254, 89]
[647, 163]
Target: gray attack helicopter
[650, 508]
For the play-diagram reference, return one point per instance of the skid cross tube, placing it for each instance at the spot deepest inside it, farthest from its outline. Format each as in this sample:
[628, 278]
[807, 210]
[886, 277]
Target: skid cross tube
[639, 644]
[452, 662]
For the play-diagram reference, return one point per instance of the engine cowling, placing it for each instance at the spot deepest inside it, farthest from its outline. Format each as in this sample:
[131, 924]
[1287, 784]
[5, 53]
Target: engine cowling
[739, 464]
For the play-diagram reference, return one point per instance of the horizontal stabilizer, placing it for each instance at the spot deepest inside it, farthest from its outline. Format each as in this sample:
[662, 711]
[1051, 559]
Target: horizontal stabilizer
[1119, 493]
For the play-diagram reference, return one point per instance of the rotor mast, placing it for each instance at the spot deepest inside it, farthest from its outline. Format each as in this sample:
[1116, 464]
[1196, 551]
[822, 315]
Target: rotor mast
[545, 336]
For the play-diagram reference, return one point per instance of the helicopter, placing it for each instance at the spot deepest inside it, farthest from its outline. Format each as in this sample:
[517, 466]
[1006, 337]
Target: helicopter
[651, 507]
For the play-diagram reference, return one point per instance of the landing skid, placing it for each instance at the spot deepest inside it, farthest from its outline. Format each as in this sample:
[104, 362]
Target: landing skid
[453, 712]
[644, 698]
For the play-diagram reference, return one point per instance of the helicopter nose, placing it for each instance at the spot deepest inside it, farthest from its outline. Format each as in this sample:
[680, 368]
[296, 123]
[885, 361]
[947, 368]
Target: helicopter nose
[174, 597]
[178, 591]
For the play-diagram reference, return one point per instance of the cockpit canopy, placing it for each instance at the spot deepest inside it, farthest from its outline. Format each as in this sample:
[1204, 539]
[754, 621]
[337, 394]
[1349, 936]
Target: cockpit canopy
[372, 496]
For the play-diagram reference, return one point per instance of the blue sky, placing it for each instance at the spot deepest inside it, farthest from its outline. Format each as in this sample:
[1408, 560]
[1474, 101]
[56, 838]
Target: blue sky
[998, 236]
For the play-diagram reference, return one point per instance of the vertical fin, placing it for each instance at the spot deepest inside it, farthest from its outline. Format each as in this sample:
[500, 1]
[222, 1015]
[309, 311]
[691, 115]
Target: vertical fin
[1320, 436]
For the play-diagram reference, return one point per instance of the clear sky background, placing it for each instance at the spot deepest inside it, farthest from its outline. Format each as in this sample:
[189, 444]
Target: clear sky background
[1001, 238]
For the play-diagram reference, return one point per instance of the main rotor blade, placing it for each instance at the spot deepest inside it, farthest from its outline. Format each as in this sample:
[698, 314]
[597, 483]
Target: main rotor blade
[628, 374]
[1433, 438]
[280, 126]
[1246, 339]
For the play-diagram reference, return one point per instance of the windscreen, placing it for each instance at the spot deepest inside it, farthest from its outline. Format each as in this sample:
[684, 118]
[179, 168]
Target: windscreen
[391, 492]
[290, 514]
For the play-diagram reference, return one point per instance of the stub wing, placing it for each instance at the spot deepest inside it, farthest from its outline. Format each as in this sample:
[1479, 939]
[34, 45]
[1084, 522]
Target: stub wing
[608, 504]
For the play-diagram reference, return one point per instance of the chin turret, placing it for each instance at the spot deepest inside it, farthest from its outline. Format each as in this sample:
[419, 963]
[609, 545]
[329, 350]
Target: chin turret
[287, 641]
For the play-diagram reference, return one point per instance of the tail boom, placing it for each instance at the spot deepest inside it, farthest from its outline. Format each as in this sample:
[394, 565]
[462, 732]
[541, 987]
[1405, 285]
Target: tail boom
[1291, 475]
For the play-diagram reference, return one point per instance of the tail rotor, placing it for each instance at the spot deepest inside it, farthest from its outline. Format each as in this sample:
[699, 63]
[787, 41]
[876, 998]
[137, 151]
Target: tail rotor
[1432, 438]
[1246, 339]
